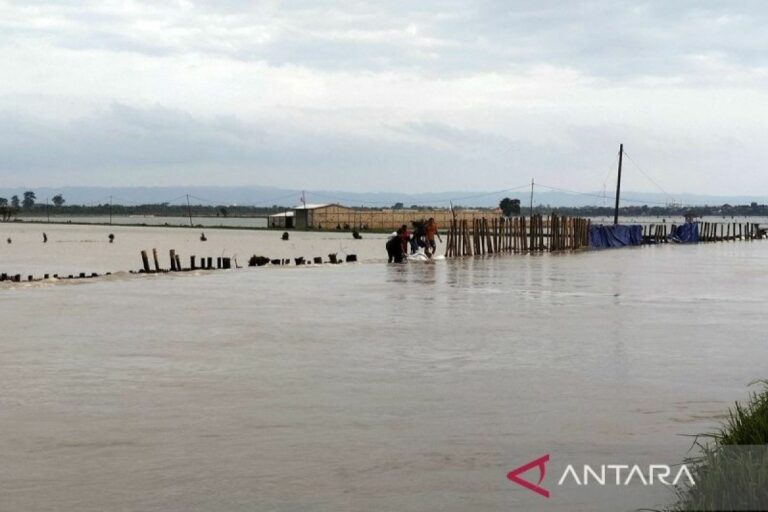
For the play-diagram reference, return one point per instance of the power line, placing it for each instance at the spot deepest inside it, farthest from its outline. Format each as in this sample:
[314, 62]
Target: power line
[640, 201]
[648, 177]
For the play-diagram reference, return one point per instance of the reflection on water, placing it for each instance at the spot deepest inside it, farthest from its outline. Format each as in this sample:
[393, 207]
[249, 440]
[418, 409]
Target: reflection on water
[369, 387]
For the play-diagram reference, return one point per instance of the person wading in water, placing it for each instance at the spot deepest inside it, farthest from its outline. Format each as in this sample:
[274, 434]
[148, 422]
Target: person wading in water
[431, 232]
[397, 245]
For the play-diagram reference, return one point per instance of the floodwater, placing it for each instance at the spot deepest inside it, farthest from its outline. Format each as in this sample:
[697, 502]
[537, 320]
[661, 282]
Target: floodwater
[360, 387]
[153, 220]
[72, 249]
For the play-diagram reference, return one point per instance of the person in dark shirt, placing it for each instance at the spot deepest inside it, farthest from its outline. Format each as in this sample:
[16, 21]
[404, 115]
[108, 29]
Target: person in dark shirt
[397, 246]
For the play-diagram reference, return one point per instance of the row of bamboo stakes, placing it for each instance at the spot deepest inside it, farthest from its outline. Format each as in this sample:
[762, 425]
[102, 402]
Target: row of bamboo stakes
[708, 232]
[719, 232]
[469, 237]
[227, 263]
[175, 260]
[16, 278]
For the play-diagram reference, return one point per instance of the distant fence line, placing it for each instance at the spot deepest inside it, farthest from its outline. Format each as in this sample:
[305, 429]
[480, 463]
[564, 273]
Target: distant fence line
[708, 232]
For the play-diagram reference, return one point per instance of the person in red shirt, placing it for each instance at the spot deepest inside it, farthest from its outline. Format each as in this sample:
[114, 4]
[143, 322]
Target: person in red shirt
[431, 230]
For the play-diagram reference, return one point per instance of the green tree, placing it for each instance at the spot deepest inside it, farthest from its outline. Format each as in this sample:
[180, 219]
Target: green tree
[510, 207]
[15, 201]
[58, 200]
[398, 206]
[29, 199]
[3, 201]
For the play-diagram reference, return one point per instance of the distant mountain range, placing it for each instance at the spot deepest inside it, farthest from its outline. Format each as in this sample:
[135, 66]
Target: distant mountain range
[268, 196]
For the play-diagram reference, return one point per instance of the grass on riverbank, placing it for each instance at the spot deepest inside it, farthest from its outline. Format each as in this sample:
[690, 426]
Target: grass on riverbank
[731, 472]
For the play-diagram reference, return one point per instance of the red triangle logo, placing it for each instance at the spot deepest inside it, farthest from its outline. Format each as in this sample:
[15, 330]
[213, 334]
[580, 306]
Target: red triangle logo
[514, 475]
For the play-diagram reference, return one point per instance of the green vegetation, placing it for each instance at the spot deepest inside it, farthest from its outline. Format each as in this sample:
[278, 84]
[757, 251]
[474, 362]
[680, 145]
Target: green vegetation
[725, 210]
[29, 200]
[731, 472]
[510, 207]
[29, 205]
[158, 210]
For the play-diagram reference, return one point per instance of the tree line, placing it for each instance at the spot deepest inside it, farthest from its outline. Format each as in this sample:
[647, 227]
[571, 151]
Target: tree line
[28, 205]
[28, 201]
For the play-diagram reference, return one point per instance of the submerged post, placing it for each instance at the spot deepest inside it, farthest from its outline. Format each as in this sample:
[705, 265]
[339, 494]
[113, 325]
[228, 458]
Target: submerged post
[618, 187]
[145, 261]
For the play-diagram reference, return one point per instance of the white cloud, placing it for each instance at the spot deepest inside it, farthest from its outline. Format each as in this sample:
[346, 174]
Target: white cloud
[477, 95]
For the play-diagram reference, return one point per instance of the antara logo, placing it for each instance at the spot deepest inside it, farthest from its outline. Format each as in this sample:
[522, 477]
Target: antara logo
[540, 463]
[605, 474]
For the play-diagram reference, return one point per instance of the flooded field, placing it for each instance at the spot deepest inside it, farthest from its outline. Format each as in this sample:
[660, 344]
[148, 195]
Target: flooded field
[153, 220]
[357, 387]
[84, 248]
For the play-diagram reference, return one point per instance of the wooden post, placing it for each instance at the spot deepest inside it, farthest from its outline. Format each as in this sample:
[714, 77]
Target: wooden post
[476, 235]
[523, 235]
[532, 232]
[515, 233]
[172, 254]
[468, 239]
[192, 262]
[554, 233]
[157, 262]
[145, 261]
[618, 187]
[541, 232]
[488, 236]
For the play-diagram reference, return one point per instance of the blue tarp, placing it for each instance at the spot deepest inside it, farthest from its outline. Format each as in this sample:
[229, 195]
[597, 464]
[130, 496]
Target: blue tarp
[615, 236]
[687, 233]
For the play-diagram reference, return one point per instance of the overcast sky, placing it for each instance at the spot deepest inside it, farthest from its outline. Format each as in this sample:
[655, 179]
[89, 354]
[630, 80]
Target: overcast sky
[401, 95]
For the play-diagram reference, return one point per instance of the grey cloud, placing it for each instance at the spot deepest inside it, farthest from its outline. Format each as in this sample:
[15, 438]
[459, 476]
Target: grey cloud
[131, 142]
[160, 146]
[612, 41]
[603, 38]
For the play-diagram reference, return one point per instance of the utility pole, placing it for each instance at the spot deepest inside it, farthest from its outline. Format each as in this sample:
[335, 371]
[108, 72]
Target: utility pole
[110, 210]
[618, 187]
[47, 211]
[531, 197]
[189, 212]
